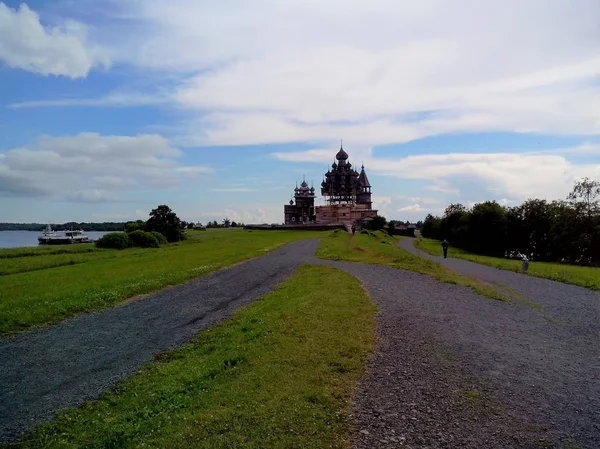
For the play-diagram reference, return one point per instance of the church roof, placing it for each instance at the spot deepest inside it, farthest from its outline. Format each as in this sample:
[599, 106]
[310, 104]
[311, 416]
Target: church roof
[341, 155]
[362, 179]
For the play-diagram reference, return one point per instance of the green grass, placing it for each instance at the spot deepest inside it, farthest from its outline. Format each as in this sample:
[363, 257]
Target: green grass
[588, 277]
[278, 374]
[380, 248]
[45, 285]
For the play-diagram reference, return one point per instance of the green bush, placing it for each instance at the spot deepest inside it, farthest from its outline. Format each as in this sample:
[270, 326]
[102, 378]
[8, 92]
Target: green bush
[114, 240]
[161, 238]
[143, 239]
[132, 226]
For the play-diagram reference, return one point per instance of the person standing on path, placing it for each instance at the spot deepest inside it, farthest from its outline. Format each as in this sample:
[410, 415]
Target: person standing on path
[353, 228]
[445, 248]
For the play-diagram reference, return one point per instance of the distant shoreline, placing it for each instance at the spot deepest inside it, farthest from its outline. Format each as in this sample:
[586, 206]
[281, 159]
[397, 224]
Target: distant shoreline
[88, 227]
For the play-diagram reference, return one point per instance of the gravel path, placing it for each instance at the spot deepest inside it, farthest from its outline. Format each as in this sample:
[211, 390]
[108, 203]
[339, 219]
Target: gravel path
[51, 369]
[526, 376]
[451, 369]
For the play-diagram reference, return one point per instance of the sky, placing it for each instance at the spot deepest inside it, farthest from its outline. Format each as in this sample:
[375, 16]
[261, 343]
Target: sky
[109, 108]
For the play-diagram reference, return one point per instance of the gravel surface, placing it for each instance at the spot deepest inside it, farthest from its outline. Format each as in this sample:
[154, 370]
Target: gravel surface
[46, 370]
[453, 369]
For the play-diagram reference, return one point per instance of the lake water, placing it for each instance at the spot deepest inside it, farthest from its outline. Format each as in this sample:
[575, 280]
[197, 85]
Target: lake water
[18, 239]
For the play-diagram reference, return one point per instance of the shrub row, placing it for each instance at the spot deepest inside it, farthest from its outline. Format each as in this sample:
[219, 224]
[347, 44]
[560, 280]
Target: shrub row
[139, 238]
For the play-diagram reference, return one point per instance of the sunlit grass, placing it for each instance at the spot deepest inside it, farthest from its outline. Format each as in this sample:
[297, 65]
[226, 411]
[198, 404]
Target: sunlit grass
[588, 277]
[279, 374]
[380, 248]
[46, 285]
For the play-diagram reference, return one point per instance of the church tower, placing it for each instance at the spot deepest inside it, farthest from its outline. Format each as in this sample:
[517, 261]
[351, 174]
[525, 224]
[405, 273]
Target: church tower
[340, 185]
[364, 189]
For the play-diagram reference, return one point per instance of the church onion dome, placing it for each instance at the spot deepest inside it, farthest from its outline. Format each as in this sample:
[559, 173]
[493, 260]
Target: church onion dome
[304, 185]
[341, 155]
[364, 181]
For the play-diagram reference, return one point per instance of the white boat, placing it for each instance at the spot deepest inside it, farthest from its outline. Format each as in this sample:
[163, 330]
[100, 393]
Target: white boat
[52, 237]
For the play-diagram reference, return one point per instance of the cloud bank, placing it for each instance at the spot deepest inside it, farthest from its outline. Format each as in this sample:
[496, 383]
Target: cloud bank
[89, 167]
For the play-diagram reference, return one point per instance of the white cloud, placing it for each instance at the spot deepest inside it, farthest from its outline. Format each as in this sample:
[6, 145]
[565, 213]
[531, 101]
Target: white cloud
[91, 196]
[250, 213]
[420, 200]
[233, 189]
[58, 50]
[507, 177]
[92, 168]
[385, 71]
[412, 208]
[379, 72]
[110, 100]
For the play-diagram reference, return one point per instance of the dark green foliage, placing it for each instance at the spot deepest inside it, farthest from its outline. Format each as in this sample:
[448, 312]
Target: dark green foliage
[143, 239]
[378, 223]
[391, 228]
[454, 224]
[432, 227]
[131, 226]
[114, 240]
[161, 238]
[486, 228]
[164, 220]
[560, 231]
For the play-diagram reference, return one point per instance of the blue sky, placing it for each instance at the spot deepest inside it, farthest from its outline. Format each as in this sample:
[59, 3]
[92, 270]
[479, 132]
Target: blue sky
[109, 108]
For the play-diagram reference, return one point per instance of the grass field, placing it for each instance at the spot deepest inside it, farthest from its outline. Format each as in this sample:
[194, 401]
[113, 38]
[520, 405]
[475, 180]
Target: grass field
[380, 248]
[588, 277]
[45, 285]
[278, 374]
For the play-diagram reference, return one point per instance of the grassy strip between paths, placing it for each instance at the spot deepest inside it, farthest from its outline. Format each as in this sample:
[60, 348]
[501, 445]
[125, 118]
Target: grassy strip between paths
[380, 248]
[46, 285]
[278, 374]
[588, 277]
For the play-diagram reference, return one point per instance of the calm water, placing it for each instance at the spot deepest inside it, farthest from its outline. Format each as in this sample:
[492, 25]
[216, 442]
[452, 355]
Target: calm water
[17, 239]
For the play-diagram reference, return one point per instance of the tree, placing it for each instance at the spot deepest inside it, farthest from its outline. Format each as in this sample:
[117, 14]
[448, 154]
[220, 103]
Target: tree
[132, 226]
[585, 200]
[190, 225]
[454, 207]
[453, 226]
[378, 223]
[586, 192]
[164, 220]
[391, 228]
[234, 224]
[487, 229]
[431, 227]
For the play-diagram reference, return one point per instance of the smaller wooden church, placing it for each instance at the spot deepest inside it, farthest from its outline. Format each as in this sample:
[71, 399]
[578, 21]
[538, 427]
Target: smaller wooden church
[301, 209]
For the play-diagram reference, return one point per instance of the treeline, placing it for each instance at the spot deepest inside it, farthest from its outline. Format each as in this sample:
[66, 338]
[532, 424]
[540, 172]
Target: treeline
[558, 231]
[226, 223]
[105, 226]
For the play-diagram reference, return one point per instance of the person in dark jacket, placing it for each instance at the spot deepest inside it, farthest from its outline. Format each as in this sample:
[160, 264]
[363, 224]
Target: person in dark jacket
[445, 248]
